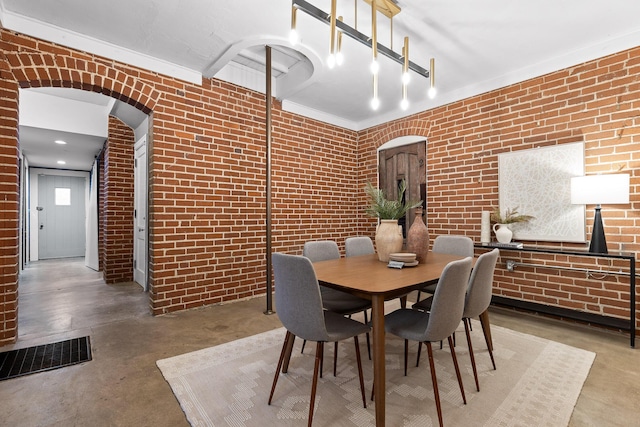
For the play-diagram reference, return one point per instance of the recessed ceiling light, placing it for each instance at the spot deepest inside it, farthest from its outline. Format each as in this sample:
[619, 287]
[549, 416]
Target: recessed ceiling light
[61, 142]
[61, 162]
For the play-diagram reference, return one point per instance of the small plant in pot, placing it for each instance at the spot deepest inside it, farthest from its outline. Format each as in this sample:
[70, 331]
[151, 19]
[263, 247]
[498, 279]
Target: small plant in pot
[383, 208]
[388, 233]
[503, 222]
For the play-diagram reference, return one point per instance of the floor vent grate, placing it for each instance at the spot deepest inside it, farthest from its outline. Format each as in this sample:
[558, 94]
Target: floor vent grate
[16, 363]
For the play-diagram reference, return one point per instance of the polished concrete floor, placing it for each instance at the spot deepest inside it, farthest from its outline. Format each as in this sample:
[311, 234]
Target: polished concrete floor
[122, 386]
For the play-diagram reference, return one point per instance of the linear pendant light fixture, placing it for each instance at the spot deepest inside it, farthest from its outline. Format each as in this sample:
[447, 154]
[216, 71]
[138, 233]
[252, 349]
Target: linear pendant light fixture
[338, 27]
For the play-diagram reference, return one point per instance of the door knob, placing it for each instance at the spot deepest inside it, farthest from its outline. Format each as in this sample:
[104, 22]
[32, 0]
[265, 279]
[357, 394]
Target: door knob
[41, 226]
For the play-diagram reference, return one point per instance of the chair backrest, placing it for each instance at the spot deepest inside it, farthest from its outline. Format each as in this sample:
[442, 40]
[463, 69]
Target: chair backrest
[321, 250]
[453, 245]
[355, 246]
[448, 301]
[297, 297]
[481, 284]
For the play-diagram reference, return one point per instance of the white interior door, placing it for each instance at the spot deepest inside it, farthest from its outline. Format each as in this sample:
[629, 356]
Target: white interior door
[61, 216]
[140, 213]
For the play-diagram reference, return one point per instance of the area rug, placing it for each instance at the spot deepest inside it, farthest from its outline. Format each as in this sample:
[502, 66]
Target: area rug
[537, 383]
[24, 361]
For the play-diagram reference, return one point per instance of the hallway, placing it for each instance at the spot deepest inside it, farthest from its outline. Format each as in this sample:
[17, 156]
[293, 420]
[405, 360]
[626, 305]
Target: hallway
[122, 386]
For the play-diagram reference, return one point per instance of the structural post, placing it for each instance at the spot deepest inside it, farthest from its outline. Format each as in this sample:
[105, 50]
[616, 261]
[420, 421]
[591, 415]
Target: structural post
[269, 309]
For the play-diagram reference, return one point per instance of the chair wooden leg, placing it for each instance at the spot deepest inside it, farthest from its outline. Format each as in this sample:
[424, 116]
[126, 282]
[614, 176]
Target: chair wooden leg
[303, 344]
[406, 355]
[467, 327]
[366, 322]
[434, 380]
[335, 358]
[455, 363]
[487, 338]
[419, 351]
[359, 361]
[287, 337]
[314, 384]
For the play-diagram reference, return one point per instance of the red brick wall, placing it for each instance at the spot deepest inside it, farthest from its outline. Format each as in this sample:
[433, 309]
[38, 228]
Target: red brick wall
[9, 198]
[207, 167]
[117, 209]
[597, 102]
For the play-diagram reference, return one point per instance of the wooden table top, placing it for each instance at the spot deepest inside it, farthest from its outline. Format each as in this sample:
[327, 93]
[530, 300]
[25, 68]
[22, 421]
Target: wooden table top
[366, 275]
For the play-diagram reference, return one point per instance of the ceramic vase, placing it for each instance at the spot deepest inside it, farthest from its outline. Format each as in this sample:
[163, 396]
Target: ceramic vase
[418, 238]
[388, 238]
[503, 233]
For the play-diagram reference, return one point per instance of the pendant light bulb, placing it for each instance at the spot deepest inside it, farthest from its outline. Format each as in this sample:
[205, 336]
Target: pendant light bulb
[331, 60]
[375, 67]
[293, 37]
[432, 92]
[339, 59]
[404, 104]
[375, 103]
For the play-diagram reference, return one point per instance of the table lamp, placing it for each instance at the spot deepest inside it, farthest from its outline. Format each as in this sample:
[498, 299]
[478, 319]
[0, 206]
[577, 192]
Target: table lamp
[599, 190]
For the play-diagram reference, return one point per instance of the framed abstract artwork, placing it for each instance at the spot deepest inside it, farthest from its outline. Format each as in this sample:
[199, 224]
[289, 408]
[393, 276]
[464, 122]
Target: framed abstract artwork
[538, 182]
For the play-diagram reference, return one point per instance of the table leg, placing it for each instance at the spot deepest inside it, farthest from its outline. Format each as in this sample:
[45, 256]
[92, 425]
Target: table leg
[287, 355]
[379, 380]
[486, 327]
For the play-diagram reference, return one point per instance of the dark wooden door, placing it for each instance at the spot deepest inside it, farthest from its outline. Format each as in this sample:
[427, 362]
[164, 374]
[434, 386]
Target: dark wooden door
[408, 162]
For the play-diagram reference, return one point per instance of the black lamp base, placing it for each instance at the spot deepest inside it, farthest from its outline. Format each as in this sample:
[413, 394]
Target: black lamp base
[598, 241]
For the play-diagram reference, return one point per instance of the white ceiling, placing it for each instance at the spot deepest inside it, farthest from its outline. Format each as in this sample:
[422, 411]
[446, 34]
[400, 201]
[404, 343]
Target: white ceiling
[478, 45]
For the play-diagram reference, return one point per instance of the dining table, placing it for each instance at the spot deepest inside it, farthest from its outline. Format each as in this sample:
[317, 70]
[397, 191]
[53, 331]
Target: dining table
[367, 277]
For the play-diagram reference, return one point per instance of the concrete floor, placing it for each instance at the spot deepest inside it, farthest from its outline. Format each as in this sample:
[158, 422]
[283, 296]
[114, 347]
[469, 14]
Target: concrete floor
[122, 386]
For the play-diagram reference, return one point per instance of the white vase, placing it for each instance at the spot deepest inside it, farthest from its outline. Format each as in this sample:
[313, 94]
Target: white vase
[503, 233]
[388, 238]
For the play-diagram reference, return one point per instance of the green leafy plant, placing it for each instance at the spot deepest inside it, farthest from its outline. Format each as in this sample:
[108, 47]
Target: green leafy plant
[510, 216]
[383, 208]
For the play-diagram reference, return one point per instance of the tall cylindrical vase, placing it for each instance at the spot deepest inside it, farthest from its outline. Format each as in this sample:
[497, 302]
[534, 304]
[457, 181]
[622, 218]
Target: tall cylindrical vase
[485, 227]
[388, 238]
[418, 237]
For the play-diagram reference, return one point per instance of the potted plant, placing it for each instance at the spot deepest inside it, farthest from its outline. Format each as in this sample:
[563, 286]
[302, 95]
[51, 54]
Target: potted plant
[388, 233]
[502, 222]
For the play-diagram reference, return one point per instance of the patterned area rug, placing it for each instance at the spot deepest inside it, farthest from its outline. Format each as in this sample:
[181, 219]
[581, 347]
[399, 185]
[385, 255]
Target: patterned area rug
[537, 383]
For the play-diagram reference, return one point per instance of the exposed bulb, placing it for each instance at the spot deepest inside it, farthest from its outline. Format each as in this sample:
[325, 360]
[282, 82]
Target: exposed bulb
[406, 78]
[375, 103]
[293, 37]
[432, 92]
[375, 67]
[339, 58]
[404, 104]
[331, 61]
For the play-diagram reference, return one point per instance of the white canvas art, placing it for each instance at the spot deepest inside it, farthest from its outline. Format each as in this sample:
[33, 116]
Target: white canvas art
[538, 183]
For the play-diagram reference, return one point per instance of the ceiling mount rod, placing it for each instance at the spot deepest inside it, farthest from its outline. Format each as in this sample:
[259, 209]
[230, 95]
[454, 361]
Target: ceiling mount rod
[318, 14]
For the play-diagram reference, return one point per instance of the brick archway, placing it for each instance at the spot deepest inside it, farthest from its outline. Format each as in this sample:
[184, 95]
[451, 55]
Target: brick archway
[414, 127]
[30, 70]
[46, 70]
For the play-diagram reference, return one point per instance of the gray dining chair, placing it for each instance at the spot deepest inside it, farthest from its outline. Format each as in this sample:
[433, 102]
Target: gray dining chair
[356, 246]
[441, 322]
[452, 245]
[299, 307]
[333, 299]
[477, 301]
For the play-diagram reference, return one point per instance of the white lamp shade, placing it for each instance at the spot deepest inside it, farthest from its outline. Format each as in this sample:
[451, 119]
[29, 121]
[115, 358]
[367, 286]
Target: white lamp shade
[600, 189]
